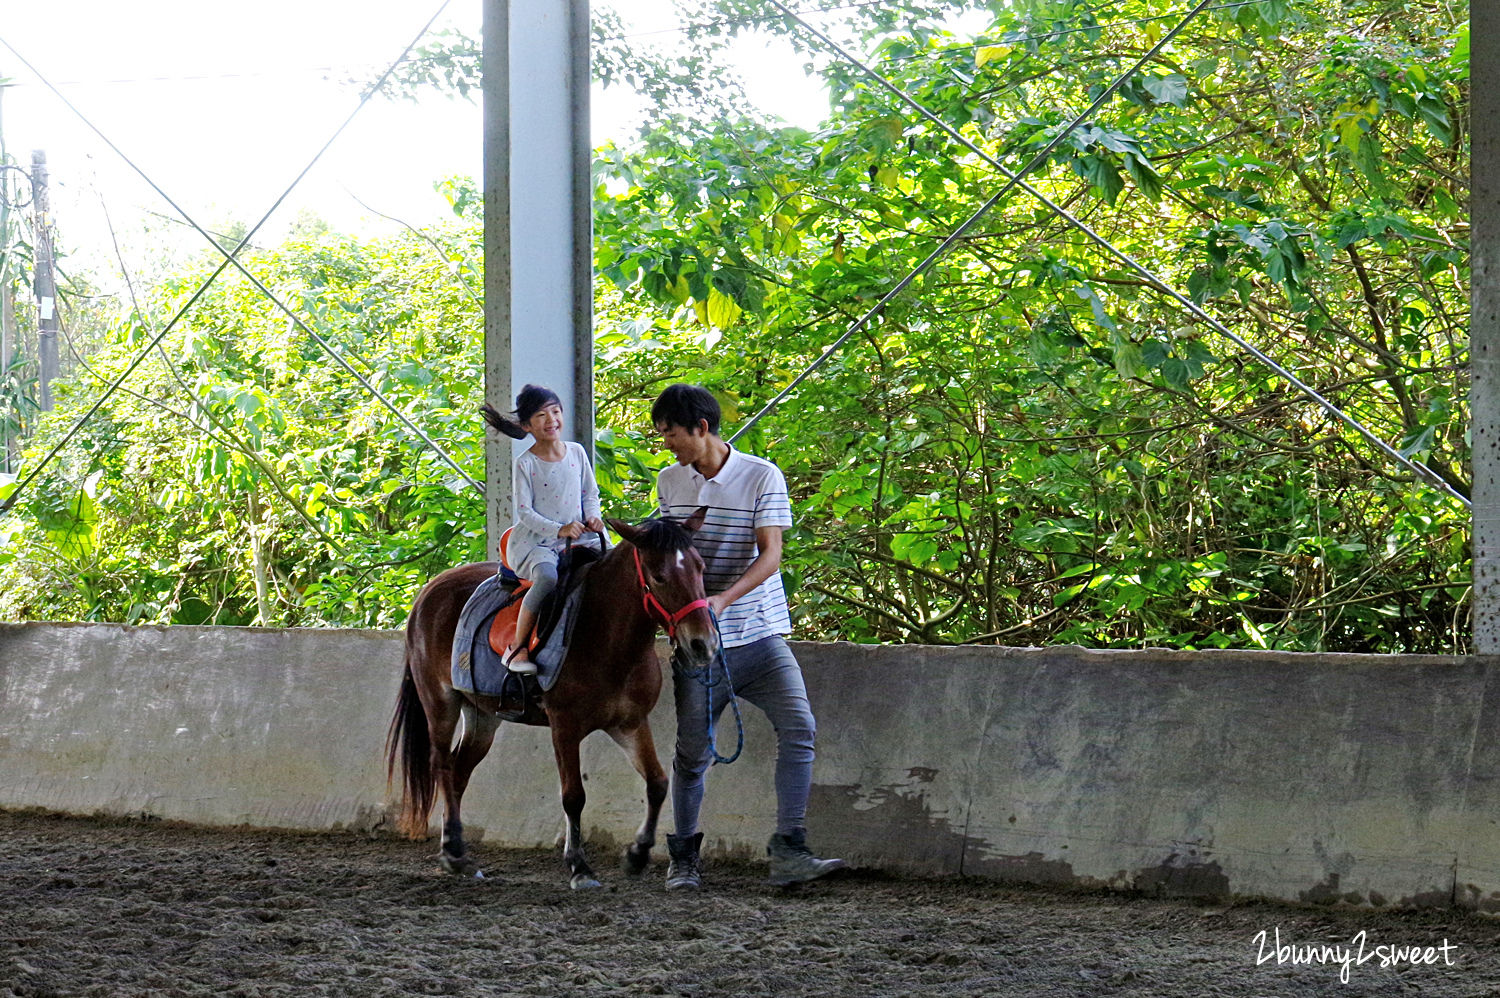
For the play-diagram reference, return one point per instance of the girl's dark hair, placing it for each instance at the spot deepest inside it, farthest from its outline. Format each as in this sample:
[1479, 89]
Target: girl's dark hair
[532, 400]
[683, 405]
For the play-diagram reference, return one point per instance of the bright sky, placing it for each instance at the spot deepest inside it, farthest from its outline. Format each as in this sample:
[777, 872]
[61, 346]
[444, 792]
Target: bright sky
[223, 104]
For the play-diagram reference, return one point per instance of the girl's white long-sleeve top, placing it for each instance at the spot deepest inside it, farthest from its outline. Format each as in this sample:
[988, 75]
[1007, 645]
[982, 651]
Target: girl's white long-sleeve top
[550, 495]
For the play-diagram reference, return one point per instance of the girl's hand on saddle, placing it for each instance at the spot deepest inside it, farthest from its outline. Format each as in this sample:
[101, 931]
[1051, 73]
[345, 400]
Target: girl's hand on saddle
[571, 531]
[594, 524]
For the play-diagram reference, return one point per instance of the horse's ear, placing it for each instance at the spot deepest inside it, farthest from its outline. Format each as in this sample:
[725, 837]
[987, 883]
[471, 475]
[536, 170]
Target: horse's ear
[628, 531]
[694, 523]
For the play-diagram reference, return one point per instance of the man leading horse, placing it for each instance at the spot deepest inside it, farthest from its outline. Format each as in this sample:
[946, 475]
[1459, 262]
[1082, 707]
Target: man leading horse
[740, 543]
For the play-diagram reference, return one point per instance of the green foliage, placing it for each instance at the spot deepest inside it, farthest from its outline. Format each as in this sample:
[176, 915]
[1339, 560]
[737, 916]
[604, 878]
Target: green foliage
[448, 60]
[245, 478]
[1030, 445]
[1033, 446]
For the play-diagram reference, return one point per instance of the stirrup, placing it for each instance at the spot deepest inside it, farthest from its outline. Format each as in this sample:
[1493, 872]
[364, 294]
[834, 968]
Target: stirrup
[517, 697]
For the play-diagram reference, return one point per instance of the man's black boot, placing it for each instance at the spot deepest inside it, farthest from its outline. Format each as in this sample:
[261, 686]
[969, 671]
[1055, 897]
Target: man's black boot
[792, 862]
[682, 870]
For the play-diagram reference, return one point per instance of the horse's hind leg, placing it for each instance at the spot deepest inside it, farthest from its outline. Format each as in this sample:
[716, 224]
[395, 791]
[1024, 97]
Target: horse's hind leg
[570, 773]
[476, 735]
[638, 744]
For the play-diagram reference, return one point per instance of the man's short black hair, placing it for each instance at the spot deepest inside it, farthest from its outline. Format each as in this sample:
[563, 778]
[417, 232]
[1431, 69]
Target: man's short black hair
[683, 405]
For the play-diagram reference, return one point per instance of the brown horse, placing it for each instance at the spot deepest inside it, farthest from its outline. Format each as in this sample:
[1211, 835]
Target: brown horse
[609, 681]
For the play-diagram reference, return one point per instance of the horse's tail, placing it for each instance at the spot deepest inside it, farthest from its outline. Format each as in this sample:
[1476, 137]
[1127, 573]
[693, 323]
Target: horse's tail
[410, 744]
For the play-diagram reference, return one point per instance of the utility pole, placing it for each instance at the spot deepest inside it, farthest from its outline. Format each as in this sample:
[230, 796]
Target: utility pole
[1484, 325]
[538, 223]
[7, 302]
[46, 288]
[8, 442]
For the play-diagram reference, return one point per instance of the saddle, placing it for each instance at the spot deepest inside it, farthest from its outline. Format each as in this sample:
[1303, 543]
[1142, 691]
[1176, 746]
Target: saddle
[487, 626]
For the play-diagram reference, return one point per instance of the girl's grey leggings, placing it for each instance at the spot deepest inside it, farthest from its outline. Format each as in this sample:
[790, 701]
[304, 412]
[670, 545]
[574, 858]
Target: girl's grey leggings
[543, 581]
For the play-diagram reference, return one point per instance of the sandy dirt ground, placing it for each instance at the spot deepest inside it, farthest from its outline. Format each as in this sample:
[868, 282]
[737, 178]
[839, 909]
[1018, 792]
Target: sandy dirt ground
[123, 908]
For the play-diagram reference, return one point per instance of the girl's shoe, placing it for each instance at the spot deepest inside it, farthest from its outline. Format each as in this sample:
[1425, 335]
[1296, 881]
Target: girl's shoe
[517, 661]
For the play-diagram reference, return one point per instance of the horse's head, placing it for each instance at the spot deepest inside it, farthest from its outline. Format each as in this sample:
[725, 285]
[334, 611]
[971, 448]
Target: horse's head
[670, 574]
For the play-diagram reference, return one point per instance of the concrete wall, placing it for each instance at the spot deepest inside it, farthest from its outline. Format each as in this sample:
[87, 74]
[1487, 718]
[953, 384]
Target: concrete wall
[1369, 779]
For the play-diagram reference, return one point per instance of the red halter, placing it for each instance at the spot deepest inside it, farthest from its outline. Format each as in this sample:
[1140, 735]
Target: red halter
[653, 606]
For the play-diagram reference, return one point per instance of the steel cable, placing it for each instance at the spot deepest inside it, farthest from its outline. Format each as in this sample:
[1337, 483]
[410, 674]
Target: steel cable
[1015, 179]
[957, 234]
[230, 258]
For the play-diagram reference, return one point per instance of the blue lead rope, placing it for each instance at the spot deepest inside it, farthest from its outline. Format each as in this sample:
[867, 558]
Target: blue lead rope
[706, 678]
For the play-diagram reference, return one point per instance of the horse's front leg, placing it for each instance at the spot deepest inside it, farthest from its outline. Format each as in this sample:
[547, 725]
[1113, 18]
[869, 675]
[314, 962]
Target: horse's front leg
[474, 741]
[639, 745]
[565, 742]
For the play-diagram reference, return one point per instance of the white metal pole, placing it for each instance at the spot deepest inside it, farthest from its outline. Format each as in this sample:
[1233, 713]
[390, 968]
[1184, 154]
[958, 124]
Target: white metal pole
[1484, 320]
[538, 221]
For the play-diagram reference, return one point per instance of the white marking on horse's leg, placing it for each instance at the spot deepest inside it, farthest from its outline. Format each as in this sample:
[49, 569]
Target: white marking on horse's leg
[460, 728]
[628, 741]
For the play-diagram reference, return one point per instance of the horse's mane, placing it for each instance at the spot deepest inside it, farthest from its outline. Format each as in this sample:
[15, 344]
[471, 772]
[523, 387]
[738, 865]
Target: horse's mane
[661, 534]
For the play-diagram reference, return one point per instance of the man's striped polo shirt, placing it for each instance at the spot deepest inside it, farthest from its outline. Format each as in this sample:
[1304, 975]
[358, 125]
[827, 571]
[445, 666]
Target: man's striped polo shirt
[747, 493]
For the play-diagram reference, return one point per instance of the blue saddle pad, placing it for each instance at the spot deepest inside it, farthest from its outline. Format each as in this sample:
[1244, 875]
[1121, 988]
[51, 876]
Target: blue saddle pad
[549, 657]
[478, 668]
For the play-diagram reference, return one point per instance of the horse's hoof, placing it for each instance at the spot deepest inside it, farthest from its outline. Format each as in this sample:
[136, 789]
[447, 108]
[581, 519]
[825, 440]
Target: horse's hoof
[461, 866]
[583, 882]
[635, 863]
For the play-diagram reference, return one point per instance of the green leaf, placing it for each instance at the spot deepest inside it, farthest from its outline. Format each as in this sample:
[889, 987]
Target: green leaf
[722, 311]
[885, 133]
[1127, 358]
[1175, 373]
[1102, 174]
[1198, 355]
[1434, 114]
[1144, 175]
[1171, 89]
[1101, 317]
[990, 53]
[1459, 57]
[1418, 441]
